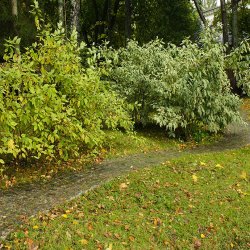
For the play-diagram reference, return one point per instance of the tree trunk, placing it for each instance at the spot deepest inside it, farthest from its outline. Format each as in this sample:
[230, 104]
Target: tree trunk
[234, 5]
[75, 15]
[97, 19]
[14, 8]
[224, 21]
[14, 11]
[60, 11]
[202, 17]
[105, 17]
[128, 17]
[113, 17]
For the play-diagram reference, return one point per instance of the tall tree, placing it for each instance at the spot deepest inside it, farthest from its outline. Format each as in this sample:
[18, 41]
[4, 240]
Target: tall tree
[208, 4]
[234, 5]
[200, 12]
[113, 17]
[60, 11]
[14, 8]
[128, 18]
[224, 21]
[14, 11]
[75, 15]
[168, 20]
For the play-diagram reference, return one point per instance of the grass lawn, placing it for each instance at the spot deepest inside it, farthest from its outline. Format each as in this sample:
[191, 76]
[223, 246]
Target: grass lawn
[195, 202]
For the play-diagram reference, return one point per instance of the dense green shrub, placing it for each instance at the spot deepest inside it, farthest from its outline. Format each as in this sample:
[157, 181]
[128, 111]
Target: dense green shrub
[239, 60]
[49, 105]
[182, 88]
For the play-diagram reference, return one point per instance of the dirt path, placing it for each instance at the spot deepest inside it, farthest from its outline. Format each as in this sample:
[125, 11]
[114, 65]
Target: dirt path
[27, 200]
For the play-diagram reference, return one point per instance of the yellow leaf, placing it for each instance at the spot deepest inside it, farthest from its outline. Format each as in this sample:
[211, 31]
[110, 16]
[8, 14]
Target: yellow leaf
[35, 227]
[243, 175]
[232, 245]
[110, 247]
[219, 166]
[65, 216]
[75, 222]
[11, 144]
[123, 186]
[195, 178]
[203, 163]
[83, 242]
[203, 236]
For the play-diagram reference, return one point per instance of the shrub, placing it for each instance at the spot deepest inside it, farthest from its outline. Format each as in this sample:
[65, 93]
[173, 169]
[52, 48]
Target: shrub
[238, 60]
[49, 105]
[181, 88]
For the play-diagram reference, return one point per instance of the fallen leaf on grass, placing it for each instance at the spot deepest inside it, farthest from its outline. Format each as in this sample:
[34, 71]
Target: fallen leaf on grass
[203, 163]
[31, 245]
[83, 242]
[203, 236]
[108, 235]
[90, 227]
[110, 247]
[197, 244]
[117, 236]
[243, 175]
[219, 166]
[131, 238]
[157, 222]
[195, 178]
[123, 186]
[68, 235]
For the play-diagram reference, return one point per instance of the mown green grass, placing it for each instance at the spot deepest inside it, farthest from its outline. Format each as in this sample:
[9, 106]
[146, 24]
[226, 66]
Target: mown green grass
[195, 202]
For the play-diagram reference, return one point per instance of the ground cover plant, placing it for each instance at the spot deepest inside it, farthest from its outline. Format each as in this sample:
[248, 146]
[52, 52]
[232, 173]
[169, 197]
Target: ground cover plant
[195, 202]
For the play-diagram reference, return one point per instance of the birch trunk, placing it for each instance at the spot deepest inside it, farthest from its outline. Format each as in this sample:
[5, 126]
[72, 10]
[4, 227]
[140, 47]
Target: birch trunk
[75, 15]
[60, 11]
[235, 23]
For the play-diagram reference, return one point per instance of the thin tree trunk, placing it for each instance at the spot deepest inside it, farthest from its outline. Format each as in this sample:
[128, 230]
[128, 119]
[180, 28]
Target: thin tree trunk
[224, 21]
[200, 12]
[234, 23]
[128, 17]
[60, 11]
[97, 19]
[14, 12]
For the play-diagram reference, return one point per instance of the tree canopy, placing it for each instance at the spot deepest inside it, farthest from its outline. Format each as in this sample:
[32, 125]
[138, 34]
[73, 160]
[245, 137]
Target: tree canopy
[98, 20]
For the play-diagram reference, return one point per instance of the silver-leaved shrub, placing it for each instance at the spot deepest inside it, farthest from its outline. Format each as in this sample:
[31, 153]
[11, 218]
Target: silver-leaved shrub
[239, 61]
[182, 88]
